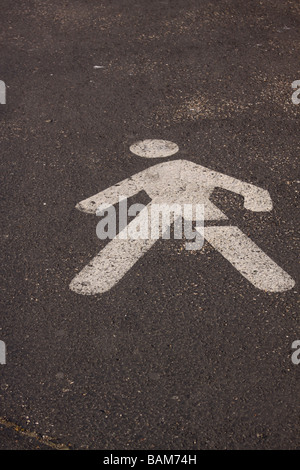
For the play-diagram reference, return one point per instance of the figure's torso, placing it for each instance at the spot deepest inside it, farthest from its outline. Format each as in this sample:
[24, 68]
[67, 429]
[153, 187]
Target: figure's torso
[182, 182]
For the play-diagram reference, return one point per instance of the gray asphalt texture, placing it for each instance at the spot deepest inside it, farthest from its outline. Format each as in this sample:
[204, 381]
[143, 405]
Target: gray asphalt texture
[183, 353]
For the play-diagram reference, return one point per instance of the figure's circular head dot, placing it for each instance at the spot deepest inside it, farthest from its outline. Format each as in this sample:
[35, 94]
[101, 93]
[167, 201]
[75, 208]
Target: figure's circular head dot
[154, 148]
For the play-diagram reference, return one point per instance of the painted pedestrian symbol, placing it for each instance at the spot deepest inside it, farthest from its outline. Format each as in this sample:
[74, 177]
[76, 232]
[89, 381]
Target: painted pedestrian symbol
[181, 182]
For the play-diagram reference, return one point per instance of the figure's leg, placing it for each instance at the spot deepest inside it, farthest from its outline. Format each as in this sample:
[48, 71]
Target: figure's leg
[248, 259]
[113, 262]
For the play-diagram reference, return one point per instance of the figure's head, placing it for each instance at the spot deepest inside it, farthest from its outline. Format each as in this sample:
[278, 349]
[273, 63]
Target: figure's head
[154, 148]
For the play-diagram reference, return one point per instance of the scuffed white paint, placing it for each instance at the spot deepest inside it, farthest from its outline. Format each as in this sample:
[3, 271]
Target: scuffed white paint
[248, 259]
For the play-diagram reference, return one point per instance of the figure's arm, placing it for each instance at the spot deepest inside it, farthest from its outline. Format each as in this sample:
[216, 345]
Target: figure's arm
[255, 199]
[110, 196]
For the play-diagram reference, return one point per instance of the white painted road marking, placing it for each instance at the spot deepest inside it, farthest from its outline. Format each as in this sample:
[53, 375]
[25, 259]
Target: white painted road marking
[112, 263]
[180, 182]
[248, 259]
[154, 148]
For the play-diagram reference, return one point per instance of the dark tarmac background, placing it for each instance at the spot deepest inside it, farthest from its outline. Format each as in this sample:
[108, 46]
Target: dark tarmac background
[183, 353]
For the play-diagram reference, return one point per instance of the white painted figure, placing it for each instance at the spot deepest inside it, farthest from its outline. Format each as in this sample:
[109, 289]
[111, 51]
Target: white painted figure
[183, 182]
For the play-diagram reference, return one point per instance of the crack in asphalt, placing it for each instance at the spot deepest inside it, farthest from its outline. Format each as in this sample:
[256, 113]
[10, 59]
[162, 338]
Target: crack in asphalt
[42, 439]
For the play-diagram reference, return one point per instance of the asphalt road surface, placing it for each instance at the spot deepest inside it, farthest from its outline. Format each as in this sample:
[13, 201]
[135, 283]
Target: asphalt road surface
[184, 352]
